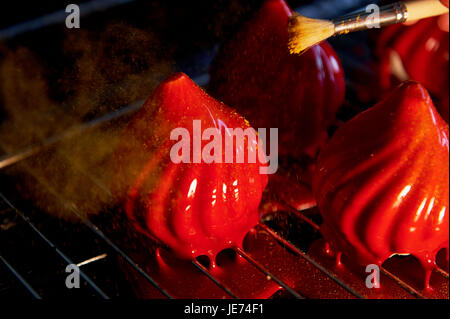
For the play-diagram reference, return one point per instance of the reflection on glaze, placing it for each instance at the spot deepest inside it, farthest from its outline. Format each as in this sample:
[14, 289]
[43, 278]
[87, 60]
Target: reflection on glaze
[382, 184]
[193, 208]
[192, 188]
[298, 94]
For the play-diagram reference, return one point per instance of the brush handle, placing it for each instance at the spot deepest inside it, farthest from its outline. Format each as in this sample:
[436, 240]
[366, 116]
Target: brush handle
[420, 9]
[367, 19]
[398, 12]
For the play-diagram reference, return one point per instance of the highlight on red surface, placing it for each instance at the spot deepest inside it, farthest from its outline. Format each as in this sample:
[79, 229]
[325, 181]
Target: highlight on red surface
[192, 208]
[418, 52]
[382, 182]
[299, 94]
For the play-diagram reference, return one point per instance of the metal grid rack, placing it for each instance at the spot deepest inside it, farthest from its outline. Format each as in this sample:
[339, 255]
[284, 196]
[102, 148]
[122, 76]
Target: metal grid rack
[96, 251]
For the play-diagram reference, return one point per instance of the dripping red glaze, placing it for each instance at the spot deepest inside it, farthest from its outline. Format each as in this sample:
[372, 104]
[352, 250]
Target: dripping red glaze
[192, 208]
[382, 181]
[182, 280]
[422, 51]
[298, 94]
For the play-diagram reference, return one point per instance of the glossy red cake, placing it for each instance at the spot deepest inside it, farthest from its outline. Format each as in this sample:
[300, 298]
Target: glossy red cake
[193, 208]
[382, 182]
[419, 52]
[298, 94]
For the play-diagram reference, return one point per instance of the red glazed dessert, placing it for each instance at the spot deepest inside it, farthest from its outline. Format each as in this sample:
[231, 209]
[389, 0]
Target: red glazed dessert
[298, 94]
[419, 52]
[382, 182]
[193, 208]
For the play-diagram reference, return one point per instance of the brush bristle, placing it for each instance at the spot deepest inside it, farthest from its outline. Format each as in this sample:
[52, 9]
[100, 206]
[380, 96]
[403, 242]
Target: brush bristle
[305, 32]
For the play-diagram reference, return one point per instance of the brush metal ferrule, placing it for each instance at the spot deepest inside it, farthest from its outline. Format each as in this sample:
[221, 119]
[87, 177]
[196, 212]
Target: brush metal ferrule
[362, 20]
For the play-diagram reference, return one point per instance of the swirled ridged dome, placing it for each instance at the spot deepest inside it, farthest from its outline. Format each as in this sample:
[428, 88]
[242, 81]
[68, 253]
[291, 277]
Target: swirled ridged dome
[382, 182]
[299, 94]
[193, 208]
